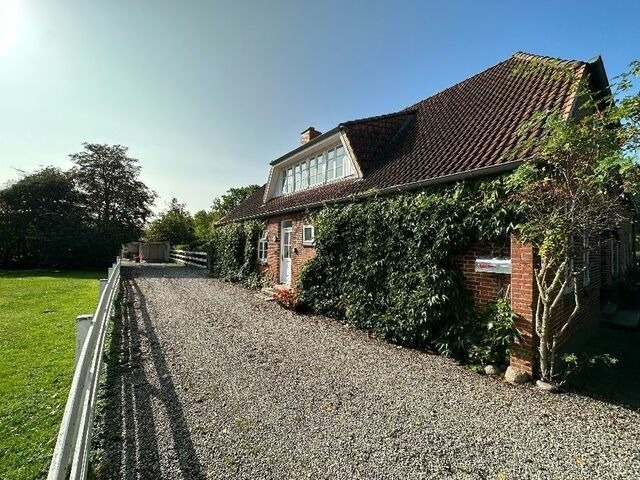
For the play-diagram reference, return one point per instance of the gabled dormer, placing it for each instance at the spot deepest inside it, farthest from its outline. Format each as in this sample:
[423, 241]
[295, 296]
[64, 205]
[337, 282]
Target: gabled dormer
[320, 159]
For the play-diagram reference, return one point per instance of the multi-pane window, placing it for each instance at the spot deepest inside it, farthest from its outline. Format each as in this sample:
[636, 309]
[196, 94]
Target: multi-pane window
[339, 162]
[304, 175]
[287, 181]
[262, 247]
[331, 164]
[308, 235]
[321, 168]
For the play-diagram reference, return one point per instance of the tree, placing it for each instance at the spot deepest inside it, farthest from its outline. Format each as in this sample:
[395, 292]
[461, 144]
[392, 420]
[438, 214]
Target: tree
[116, 202]
[579, 181]
[231, 199]
[203, 222]
[42, 221]
[175, 225]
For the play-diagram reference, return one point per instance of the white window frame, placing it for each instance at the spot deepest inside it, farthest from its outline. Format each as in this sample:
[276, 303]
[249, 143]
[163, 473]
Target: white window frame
[263, 247]
[586, 261]
[313, 235]
[314, 171]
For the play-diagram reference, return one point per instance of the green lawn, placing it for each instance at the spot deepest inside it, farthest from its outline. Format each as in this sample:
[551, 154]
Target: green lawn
[37, 348]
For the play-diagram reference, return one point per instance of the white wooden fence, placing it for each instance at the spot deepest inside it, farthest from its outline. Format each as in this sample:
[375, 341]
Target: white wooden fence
[194, 259]
[71, 454]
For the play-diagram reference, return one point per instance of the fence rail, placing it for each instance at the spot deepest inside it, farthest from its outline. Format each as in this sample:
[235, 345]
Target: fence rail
[194, 259]
[71, 454]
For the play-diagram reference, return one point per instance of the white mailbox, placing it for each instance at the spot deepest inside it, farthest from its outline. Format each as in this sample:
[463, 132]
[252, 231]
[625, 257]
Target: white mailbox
[493, 265]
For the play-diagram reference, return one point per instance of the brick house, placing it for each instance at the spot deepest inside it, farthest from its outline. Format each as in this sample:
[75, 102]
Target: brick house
[463, 132]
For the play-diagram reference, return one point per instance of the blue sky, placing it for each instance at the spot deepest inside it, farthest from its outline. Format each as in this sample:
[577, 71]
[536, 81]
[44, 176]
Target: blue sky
[206, 93]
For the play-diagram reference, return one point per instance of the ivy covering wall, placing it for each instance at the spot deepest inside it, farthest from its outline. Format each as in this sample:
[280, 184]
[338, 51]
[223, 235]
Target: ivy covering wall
[233, 252]
[387, 264]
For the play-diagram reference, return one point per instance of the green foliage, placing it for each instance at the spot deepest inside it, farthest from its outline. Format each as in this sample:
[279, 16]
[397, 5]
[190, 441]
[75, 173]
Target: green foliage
[231, 199]
[494, 334]
[203, 224]
[580, 179]
[233, 253]
[116, 203]
[574, 363]
[43, 223]
[74, 219]
[386, 264]
[175, 225]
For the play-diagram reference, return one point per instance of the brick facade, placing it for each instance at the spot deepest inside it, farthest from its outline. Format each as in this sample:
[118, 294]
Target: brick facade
[300, 253]
[524, 291]
[486, 287]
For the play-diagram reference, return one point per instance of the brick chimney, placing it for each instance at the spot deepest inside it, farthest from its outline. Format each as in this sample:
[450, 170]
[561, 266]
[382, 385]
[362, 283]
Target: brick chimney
[308, 135]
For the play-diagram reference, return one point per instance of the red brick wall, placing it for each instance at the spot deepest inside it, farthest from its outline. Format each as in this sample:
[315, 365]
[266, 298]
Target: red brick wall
[484, 287]
[524, 297]
[523, 300]
[300, 253]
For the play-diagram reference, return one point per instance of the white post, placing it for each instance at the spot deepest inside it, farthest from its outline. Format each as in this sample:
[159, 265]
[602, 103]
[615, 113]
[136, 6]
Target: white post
[83, 322]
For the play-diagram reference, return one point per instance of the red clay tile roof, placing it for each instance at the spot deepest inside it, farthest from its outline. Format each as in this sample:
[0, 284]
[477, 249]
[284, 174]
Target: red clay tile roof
[469, 128]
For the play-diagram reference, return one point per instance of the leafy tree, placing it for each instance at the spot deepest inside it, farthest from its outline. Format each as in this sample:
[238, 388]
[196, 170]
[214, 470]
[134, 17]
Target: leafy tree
[203, 222]
[116, 201]
[175, 225]
[41, 218]
[580, 181]
[230, 200]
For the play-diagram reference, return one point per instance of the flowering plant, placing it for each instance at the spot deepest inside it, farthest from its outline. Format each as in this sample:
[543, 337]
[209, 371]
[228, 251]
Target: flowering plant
[288, 298]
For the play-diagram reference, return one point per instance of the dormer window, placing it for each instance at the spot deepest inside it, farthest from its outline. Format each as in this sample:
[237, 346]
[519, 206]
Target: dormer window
[321, 168]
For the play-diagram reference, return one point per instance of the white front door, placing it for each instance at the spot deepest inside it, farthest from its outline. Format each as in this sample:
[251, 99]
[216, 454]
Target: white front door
[285, 252]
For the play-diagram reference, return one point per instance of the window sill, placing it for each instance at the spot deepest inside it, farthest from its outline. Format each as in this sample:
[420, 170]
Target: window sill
[308, 244]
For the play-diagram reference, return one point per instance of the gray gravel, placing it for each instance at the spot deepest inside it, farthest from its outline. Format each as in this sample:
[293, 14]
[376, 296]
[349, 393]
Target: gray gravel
[215, 383]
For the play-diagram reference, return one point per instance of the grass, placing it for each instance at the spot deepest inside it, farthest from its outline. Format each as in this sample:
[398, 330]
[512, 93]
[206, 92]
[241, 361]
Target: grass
[37, 344]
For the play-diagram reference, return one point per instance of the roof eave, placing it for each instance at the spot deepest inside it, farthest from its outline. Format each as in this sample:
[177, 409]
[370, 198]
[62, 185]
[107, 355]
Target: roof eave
[453, 177]
[304, 146]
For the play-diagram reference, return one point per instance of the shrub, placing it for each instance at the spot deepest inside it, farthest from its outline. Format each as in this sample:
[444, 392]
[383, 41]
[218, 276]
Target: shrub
[233, 252]
[287, 298]
[494, 335]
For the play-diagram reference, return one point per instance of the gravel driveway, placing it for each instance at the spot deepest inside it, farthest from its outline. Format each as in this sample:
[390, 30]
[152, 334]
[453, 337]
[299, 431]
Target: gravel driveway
[211, 382]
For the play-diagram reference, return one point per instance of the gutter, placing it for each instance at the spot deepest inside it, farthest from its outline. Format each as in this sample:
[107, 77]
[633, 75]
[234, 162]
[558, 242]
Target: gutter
[452, 177]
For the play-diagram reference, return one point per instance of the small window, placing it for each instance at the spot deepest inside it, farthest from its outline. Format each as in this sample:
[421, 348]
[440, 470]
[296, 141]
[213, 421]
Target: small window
[308, 235]
[586, 261]
[262, 247]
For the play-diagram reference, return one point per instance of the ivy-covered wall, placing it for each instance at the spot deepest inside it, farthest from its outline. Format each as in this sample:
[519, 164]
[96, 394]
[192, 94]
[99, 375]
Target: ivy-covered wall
[387, 264]
[233, 253]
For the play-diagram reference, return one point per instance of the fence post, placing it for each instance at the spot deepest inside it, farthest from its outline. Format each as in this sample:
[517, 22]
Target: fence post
[83, 322]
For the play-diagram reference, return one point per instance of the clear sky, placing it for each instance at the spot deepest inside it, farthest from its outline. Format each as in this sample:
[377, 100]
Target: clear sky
[207, 93]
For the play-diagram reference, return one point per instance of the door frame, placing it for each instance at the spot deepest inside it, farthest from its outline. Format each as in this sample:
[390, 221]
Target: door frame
[287, 273]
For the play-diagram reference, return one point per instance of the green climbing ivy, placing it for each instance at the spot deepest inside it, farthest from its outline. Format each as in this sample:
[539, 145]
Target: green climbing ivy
[386, 264]
[233, 252]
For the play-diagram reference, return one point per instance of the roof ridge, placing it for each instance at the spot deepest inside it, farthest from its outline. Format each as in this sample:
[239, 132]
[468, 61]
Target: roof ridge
[517, 55]
[545, 58]
[377, 117]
